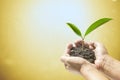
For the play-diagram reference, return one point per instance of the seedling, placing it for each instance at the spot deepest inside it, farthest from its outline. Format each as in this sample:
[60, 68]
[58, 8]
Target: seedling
[82, 50]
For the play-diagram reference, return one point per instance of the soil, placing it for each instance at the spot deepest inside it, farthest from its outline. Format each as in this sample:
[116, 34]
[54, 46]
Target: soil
[83, 52]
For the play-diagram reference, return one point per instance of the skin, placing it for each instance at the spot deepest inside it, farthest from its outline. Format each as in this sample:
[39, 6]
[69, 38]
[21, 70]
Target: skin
[103, 63]
[80, 65]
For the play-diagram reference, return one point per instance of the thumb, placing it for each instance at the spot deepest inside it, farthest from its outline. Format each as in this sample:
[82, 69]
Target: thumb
[75, 60]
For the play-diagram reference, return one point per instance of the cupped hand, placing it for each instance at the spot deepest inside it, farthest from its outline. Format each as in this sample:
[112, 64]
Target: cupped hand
[98, 48]
[100, 53]
[74, 64]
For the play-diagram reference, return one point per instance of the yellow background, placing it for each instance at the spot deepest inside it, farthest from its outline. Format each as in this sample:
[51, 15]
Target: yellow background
[33, 35]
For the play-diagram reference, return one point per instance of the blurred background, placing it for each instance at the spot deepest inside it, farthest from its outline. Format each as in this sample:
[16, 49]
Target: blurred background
[34, 34]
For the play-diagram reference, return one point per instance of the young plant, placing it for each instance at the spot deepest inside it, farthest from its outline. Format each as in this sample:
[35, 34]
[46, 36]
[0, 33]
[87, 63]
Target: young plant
[92, 27]
[83, 51]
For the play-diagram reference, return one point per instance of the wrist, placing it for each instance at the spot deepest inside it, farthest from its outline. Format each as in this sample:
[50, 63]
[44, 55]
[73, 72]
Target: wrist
[89, 72]
[86, 68]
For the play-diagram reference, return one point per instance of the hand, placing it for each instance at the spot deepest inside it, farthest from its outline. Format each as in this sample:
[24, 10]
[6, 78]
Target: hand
[73, 64]
[98, 48]
[80, 65]
[105, 62]
[100, 53]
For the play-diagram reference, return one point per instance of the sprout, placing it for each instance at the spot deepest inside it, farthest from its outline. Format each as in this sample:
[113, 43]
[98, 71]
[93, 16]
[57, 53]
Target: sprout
[92, 27]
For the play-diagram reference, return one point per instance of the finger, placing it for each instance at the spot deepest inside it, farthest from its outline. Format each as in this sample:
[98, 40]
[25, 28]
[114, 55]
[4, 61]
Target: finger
[98, 44]
[91, 45]
[97, 64]
[78, 43]
[68, 48]
[95, 44]
[86, 45]
[64, 59]
[67, 66]
[72, 69]
[75, 60]
[67, 51]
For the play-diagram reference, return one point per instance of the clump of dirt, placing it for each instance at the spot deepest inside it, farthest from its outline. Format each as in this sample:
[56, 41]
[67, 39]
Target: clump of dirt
[84, 52]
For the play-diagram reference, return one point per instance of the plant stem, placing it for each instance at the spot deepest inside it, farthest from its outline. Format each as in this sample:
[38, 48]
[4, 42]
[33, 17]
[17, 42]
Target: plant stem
[82, 43]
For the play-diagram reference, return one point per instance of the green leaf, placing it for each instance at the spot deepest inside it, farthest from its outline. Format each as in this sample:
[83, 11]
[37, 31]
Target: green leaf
[75, 29]
[96, 25]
